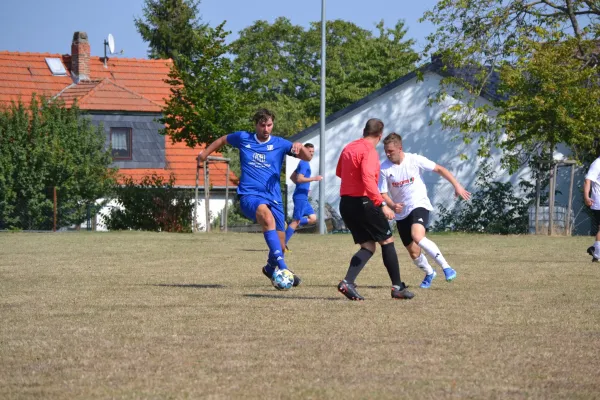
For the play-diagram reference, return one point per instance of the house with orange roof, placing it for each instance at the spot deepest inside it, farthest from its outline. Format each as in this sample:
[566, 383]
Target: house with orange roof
[126, 96]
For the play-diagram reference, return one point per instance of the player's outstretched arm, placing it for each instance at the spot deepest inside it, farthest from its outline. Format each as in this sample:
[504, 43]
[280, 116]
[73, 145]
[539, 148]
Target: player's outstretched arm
[300, 178]
[214, 146]
[459, 190]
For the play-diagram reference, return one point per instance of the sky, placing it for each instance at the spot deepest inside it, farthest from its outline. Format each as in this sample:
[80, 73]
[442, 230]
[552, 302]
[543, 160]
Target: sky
[47, 26]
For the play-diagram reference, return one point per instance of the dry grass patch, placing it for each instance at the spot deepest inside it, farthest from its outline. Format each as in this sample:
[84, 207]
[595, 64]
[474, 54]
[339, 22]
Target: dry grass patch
[142, 315]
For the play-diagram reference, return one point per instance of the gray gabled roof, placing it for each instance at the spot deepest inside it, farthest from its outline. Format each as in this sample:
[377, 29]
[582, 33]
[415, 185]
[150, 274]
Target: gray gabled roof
[489, 92]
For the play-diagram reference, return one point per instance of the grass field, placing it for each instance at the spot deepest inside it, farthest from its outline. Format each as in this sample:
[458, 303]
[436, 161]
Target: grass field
[143, 315]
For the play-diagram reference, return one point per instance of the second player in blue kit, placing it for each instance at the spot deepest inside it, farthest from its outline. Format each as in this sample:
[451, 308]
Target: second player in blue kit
[303, 211]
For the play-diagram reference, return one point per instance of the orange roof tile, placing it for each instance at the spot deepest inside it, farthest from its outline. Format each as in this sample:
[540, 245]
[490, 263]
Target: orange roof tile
[145, 77]
[181, 161]
[23, 74]
[107, 96]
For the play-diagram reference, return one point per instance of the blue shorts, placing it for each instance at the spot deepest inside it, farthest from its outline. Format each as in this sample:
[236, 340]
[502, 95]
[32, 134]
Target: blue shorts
[249, 204]
[302, 208]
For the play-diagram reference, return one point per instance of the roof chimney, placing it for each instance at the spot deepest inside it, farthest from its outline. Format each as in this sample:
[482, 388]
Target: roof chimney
[80, 57]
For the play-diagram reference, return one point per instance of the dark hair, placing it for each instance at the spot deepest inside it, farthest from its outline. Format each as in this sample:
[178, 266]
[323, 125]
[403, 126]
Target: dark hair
[374, 127]
[309, 145]
[263, 115]
[392, 137]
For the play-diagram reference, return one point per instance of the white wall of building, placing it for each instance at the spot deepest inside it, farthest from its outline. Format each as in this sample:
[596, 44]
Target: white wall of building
[404, 110]
[217, 205]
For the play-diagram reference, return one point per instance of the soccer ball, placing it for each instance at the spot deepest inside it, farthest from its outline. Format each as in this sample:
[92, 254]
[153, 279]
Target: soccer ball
[282, 279]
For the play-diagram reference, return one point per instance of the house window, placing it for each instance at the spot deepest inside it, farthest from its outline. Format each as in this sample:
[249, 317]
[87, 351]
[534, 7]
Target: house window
[120, 142]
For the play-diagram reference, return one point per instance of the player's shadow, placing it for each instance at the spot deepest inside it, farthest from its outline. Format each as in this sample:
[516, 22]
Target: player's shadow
[191, 285]
[255, 250]
[283, 297]
[358, 286]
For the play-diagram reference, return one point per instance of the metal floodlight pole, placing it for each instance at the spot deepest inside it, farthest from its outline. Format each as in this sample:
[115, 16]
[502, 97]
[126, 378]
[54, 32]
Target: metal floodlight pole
[226, 197]
[54, 208]
[195, 223]
[569, 228]
[206, 196]
[322, 150]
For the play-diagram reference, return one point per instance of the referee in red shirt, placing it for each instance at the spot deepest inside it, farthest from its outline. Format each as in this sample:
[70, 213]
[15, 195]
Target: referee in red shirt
[365, 213]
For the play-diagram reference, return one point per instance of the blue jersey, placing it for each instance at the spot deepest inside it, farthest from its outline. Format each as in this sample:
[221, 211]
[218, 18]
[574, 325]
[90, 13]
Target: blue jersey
[261, 164]
[302, 188]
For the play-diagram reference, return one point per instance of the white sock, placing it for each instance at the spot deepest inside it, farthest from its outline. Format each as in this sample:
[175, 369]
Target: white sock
[597, 249]
[434, 252]
[423, 264]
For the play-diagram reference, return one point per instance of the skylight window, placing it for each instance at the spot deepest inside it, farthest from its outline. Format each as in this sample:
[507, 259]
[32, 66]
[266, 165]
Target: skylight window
[56, 66]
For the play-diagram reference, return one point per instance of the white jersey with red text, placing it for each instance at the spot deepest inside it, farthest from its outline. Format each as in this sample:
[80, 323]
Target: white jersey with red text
[403, 182]
[593, 175]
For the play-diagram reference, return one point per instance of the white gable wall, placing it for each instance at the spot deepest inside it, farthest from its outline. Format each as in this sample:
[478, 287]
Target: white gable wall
[404, 110]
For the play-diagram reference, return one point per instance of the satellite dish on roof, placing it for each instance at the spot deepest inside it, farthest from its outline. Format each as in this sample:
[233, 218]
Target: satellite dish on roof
[111, 43]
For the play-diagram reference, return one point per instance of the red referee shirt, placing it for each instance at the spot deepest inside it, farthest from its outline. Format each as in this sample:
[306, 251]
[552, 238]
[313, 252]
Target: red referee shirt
[358, 167]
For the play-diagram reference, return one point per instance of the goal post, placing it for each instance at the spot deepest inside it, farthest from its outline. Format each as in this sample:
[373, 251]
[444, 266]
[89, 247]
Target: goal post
[205, 167]
[553, 168]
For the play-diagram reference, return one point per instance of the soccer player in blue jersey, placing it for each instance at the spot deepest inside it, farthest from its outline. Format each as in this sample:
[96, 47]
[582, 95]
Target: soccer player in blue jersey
[259, 191]
[303, 211]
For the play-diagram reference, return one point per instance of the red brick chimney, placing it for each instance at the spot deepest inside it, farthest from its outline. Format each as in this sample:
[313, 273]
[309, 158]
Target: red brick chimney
[80, 57]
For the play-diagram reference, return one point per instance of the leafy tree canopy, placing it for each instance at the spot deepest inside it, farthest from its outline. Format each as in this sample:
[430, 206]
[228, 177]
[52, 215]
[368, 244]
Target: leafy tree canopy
[545, 54]
[204, 102]
[170, 27]
[46, 146]
[279, 66]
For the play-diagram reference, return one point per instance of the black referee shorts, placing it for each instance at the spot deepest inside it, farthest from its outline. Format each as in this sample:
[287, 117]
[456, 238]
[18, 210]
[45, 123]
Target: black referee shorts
[365, 220]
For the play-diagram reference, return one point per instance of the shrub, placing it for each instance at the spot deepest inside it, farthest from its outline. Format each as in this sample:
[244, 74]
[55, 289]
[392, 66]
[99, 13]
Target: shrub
[152, 205]
[495, 207]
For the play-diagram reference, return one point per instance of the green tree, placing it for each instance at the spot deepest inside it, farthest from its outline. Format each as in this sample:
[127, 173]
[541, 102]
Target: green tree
[46, 146]
[358, 62]
[279, 66]
[204, 102]
[552, 100]
[170, 27]
[546, 56]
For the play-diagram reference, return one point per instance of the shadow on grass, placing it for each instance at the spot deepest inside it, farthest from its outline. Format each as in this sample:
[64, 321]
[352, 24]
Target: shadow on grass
[191, 285]
[257, 250]
[358, 286]
[283, 297]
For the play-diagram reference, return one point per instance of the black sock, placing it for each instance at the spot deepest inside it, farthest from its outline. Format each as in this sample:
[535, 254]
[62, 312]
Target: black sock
[357, 263]
[390, 260]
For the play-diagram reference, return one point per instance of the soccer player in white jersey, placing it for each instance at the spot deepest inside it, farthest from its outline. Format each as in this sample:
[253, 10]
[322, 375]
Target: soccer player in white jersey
[592, 181]
[403, 189]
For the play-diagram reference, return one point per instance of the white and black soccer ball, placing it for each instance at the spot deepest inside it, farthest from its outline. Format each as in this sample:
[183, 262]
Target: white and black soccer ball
[282, 279]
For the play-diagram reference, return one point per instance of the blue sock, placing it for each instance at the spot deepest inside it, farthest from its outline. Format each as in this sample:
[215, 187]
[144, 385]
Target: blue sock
[270, 268]
[289, 232]
[303, 221]
[271, 263]
[272, 260]
[272, 239]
